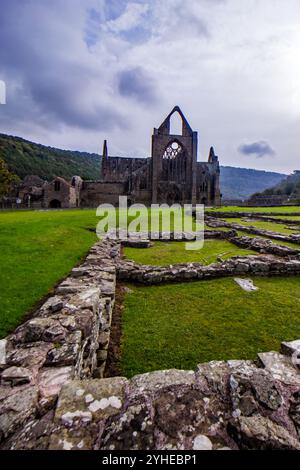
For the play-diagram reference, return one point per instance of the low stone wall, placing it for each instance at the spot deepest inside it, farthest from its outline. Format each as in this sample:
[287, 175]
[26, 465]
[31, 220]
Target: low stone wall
[143, 240]
[221, 405]
[265, 246]
[256, 265]
[66, 338]
[275, 220]
[238, 215]
[216, 223]
[261, 245]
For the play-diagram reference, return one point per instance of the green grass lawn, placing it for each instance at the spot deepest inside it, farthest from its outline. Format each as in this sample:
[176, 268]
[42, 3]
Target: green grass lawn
[174, 252]
[184, 324]
[280, 209]
[280, 228]
[37, 250]
[163, 326]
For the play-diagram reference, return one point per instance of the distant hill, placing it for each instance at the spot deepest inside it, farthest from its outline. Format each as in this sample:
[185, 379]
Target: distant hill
[241, 183]
[27, 158]
[289, 187]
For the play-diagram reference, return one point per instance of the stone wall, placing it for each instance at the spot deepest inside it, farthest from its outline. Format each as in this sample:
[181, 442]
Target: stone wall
[66, 338]
[226, 405]
[254, 215]
[256, 265]
[65, 195]
[265, 246]
[217, 223]
[278, 220]
[94, 193]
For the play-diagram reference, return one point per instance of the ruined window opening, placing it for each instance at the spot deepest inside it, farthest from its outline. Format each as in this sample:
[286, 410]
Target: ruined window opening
[57, 186]
[172, 151]
[176, 124]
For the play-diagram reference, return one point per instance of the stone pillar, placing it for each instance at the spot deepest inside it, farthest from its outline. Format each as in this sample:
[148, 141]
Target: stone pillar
[104, 160]
[194, 168]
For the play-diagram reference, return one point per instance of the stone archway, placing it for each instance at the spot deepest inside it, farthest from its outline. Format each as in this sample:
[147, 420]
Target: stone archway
[55, 204]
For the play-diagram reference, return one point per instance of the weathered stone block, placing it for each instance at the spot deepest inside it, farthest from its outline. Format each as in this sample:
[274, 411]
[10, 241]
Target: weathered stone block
[260, 433]
[16, 376]
[32, 355]
[152, 382]
[16, 408]
[90, 400]
[51, 380]
[280, 367]
[289, 348]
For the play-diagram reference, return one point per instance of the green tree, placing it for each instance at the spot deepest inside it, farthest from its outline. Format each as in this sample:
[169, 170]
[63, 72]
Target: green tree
[7, 179]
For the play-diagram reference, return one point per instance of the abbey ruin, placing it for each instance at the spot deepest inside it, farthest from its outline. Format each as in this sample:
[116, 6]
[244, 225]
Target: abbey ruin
[171, 175]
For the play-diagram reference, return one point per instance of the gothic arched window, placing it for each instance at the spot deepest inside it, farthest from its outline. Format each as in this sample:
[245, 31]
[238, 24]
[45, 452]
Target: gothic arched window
[172, 151]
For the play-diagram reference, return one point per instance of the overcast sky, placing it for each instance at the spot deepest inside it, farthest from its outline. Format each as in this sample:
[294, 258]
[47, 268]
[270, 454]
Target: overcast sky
[79, 71]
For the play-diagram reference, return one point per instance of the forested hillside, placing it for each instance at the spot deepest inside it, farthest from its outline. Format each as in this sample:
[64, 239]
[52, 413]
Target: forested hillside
[27, 158]
[290, 187]
[241, 183]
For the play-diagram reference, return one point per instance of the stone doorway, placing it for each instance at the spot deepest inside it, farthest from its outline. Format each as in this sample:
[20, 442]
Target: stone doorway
[55, 204]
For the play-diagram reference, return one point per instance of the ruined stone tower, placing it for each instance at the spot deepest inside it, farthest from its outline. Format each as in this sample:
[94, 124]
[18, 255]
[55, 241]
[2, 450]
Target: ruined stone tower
[174, 160]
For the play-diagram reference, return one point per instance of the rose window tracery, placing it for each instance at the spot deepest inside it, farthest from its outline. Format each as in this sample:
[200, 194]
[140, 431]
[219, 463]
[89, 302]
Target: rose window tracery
[172, 151]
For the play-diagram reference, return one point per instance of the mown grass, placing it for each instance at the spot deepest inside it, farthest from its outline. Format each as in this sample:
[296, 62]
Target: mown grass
[163, 253]
[37, 250]
[184, 324]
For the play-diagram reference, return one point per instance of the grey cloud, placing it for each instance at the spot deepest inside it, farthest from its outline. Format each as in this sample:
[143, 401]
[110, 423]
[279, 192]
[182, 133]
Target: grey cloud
[47, 83]
[135, 83]
[259, 149]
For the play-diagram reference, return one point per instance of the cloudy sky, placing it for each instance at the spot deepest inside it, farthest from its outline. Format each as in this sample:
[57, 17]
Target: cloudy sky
[79, 71]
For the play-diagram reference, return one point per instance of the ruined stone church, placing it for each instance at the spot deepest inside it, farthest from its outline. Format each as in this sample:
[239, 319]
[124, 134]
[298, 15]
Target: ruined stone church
[171, 175]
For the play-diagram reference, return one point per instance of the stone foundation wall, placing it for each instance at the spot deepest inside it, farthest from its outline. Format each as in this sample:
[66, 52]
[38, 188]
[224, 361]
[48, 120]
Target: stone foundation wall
[227, 405]
[238, 215]
[278, 220]
[260, 265]
[217, 223]
[265, 246]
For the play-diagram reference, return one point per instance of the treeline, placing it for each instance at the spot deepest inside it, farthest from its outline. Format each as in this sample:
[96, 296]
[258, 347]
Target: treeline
[27, 158]
[289, 187]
